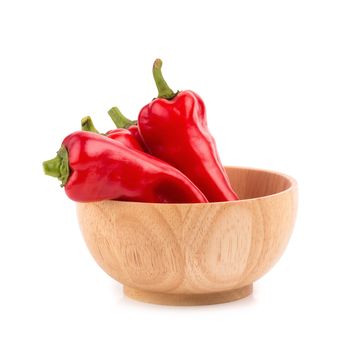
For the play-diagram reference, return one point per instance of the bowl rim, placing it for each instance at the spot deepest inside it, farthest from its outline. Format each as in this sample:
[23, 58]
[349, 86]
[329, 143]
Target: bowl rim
[292, 186]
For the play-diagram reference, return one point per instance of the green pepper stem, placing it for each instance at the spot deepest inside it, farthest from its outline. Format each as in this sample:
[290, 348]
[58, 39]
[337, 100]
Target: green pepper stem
[52, 166]
[119, 119]
[164, 90]
[58, 166]
[88, 125]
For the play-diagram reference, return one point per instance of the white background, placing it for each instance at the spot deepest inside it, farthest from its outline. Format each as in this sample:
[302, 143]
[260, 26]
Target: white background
[275, 77]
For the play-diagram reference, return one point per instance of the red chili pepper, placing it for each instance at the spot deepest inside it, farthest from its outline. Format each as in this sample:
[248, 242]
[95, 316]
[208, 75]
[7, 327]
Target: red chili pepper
[174, 128]
[122, 135]
[93, 167]
[123, 122]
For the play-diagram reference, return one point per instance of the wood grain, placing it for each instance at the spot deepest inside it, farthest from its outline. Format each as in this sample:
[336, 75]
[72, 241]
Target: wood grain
[190, 254]
[188, 299]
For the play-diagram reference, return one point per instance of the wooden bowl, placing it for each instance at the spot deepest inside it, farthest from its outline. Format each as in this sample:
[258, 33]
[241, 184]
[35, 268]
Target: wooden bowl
[194, 254]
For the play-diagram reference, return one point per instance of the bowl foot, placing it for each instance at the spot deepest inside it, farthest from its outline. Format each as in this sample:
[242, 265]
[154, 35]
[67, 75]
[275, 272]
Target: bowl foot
[188, 299]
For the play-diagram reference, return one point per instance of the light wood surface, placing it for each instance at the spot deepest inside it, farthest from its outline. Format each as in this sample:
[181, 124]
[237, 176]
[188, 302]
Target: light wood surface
[191, 254]
[188, 299]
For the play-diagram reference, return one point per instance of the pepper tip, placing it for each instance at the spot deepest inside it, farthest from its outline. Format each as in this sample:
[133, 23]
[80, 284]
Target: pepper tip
[157, 64]
[87, 125]
[85, 120]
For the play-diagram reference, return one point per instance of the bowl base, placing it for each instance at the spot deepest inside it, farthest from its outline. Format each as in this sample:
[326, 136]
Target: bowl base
[188, 299]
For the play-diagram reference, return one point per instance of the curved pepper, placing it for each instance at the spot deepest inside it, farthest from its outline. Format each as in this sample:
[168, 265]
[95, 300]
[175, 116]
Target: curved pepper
[123, 122]
[122, 135]
[93, 167]
[174, 128]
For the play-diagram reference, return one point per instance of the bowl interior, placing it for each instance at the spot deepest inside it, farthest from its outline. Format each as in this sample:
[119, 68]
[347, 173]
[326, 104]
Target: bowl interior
[254, 183]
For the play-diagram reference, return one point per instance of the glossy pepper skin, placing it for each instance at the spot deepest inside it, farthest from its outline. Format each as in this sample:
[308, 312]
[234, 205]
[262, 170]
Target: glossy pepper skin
[122, 135]
[93, 167]
[121, 122]
[174, 129]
